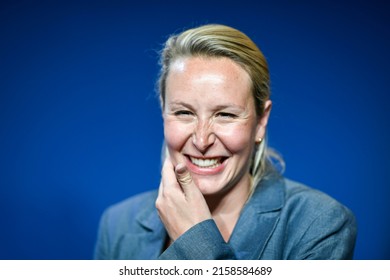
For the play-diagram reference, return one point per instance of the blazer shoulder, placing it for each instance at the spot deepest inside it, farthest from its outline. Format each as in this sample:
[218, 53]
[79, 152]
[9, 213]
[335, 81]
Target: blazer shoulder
[122, 215]
[133, 203]
[121, 222]
[311, 207]
[300, 194]
[320, 227]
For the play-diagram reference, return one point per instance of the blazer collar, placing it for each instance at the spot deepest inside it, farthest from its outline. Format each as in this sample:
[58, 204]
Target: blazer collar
[259, 218]
[150, 238]
[267, 197]
[255, 225]
[148, 216]
[269, 194]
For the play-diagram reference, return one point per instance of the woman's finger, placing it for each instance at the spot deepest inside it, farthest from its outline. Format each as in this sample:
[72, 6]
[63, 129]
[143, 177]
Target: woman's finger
[169, 179]
[184, 178]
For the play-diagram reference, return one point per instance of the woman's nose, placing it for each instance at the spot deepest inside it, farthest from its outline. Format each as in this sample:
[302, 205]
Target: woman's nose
[203, 137]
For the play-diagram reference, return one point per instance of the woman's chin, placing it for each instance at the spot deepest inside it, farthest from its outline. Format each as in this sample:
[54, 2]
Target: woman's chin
[208, 187]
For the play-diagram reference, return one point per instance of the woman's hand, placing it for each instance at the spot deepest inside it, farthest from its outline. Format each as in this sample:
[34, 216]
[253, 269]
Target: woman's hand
[180, 203]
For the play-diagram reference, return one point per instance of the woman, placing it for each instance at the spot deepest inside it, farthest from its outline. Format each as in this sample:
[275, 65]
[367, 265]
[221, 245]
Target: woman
[220, 196]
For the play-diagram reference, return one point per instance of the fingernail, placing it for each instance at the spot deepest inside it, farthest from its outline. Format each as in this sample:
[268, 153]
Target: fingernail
[180, 168]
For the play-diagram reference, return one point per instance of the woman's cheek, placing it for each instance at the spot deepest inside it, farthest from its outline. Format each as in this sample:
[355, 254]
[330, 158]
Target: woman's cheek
[176, 135]
[237, 138]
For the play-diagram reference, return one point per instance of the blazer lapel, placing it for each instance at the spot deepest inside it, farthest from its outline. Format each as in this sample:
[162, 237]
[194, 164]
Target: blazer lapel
[147, 240]
[258, 219]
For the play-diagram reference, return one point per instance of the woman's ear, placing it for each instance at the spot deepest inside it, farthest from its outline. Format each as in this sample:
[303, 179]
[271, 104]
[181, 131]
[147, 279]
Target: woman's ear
[263, 120]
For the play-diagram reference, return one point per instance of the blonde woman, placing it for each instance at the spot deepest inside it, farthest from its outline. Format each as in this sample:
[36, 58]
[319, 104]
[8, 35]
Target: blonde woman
[220, 196]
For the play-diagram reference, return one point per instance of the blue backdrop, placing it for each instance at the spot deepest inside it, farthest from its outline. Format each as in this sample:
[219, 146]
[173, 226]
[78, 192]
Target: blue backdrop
[80, 126]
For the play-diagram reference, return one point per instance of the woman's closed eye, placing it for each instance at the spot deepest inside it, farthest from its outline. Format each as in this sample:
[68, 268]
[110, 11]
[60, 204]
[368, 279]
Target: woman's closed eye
[226, 115]
[183, 113]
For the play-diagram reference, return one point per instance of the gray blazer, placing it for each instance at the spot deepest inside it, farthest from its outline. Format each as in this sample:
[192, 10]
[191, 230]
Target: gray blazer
[282, 220]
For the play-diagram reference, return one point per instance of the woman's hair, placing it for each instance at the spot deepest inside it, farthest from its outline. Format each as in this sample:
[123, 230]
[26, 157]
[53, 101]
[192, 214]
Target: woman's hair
[214, 41]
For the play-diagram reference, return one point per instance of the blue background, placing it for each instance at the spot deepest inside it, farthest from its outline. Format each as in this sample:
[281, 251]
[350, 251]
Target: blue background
[80, 125]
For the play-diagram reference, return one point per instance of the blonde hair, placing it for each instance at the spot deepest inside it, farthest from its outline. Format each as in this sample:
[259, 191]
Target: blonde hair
[215, 40]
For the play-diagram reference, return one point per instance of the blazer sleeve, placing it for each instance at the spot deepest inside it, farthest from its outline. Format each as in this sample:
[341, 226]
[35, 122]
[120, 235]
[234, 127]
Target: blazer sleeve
[201, 242]
[330, 236]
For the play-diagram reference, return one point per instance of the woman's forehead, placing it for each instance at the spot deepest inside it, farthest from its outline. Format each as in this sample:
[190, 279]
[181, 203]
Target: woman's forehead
[203, 69]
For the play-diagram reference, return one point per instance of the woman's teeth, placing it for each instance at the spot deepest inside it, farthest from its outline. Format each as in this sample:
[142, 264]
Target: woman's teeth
[206, 163]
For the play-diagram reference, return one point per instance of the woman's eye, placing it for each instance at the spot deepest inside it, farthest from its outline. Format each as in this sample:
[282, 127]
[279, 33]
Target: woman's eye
[183, 113]
[226, 115]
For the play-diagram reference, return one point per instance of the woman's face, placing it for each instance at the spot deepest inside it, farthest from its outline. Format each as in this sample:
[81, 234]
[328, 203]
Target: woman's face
[210, 122]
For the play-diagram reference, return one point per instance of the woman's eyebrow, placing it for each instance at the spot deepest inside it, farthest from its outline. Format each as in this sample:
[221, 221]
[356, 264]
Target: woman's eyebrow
[230, 106]
[174, 105]
[179, 103]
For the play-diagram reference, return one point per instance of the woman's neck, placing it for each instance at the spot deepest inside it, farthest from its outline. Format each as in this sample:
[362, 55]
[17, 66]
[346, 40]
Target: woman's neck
[226, 207]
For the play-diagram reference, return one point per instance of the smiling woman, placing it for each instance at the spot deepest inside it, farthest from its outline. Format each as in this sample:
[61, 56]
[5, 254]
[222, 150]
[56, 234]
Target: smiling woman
[220, 196]
[210, 124]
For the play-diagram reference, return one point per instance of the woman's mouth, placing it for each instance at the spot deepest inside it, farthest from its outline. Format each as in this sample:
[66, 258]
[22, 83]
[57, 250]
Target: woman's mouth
[206, 163]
